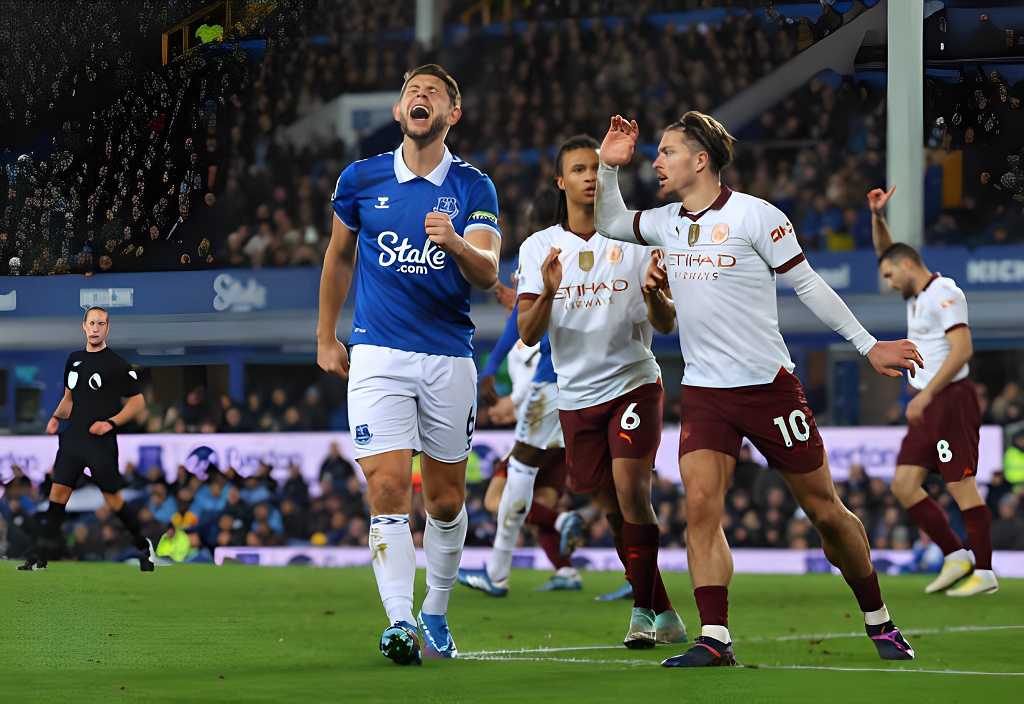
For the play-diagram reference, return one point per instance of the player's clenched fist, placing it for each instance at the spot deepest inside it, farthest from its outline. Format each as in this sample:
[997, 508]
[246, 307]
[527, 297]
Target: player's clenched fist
[617, 147]
[441, 232]
[332, 357]
[878, 198]
[52, 426]
[100, 427]
[551, 271]
[657, 277]
[889, 357]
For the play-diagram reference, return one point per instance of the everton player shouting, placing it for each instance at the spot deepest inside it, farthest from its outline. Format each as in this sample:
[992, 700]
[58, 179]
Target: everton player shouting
[95, 381]
[724, 251]
[945, 418]
[426, 225]
[591, 296]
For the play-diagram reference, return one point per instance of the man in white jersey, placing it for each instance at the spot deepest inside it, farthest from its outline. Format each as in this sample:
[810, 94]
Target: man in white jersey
[591, 296]
[426, 226]
[723, 252]
[944, 415]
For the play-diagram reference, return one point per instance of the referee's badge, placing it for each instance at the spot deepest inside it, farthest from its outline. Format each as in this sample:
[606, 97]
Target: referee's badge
[694, 235]
[586, 261]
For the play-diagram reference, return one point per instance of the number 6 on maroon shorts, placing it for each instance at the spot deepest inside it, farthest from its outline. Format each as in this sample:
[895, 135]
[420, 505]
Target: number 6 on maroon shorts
[775, 417]
[626, 427]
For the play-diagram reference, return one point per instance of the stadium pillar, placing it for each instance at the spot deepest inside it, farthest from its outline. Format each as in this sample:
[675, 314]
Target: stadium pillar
[428, 21]
[236, 379]
[905, 120]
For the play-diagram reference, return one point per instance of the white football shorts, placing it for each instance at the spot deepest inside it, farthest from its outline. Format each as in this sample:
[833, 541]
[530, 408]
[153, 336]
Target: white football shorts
[401, 400]
[537, 417]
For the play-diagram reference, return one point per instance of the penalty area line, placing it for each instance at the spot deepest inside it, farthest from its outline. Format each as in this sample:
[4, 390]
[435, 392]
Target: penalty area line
[781, 639]
[879, 669]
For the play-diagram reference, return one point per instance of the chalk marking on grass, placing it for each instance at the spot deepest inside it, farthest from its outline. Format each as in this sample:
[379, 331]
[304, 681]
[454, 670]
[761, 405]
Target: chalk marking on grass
[879, 669]
[507, 658]
[813, 636]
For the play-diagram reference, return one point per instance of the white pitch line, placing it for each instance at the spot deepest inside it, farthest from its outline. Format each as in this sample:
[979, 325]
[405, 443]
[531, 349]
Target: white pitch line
[641, 663]
[813, 636]
[879, 669]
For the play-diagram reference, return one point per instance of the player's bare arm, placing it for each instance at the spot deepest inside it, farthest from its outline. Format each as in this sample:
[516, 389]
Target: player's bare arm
[335, 280]
[879, 228]
[131, 409]
[611, 217]
[534, 315]
[661, 310]
[960, 352]
[63, 412]
[476, 254]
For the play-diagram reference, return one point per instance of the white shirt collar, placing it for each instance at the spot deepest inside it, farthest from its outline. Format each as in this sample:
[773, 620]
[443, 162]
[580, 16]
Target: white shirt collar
[436, 177]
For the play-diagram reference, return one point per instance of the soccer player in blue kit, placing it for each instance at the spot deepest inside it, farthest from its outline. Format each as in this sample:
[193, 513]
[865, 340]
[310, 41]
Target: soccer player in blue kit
[425, 224]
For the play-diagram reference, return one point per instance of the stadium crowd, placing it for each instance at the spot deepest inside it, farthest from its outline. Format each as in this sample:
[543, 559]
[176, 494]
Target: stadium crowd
[226, 509]
[190, 166]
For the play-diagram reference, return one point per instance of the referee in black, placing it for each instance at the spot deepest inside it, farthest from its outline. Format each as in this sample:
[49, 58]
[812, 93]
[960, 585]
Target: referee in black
[95, 381]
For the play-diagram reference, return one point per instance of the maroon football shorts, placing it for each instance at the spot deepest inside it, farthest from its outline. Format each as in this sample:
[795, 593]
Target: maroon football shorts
[947, 441]
[553, 471]
[627, 427]
[774, 417]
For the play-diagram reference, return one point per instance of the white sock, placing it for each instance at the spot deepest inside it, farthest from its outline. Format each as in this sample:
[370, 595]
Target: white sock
[877, 618]
[442, 546]
[394, 564]
[516, 499]
[719, 633]
[567, 573]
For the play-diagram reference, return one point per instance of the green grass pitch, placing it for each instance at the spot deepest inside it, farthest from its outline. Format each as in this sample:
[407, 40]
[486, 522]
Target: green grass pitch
[106, 632]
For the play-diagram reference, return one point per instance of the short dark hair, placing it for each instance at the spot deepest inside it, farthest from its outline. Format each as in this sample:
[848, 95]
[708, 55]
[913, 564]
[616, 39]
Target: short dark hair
[102, 310]
[434, 70]
[898, 251]
[707, 135]
[578, 141]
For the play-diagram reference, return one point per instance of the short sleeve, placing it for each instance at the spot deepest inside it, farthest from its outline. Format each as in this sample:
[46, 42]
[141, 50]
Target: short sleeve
[483, 208]
[130, 385]
[68, 366]
[953, 309]
[346, 207]
[773, 237]
[530, 280]
[650, 226]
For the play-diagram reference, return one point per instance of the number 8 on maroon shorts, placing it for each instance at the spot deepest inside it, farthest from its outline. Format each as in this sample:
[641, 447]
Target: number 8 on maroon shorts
[775, 417]
[627, 427]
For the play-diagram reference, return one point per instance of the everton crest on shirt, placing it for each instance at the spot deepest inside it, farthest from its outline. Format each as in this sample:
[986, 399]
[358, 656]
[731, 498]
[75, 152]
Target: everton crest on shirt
[410, 295]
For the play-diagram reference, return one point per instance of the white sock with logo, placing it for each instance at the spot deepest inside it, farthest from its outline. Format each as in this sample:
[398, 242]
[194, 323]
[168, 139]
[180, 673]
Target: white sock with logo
[516, 500]
[442, 546]
[394, 564]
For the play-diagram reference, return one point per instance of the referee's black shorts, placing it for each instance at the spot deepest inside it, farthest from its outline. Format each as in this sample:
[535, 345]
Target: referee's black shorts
[98, 453]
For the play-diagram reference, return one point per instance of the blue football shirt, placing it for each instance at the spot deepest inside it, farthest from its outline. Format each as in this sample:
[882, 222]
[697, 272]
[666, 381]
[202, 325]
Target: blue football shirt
[410, 295]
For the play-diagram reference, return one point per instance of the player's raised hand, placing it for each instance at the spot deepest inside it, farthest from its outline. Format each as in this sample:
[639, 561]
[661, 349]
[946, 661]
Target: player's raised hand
[878, 198]
[657, 276]
[551, 271]
[889, 357]
[332, 357]
[441, 232]
[100, 427]
[488, 394]
[617, 147]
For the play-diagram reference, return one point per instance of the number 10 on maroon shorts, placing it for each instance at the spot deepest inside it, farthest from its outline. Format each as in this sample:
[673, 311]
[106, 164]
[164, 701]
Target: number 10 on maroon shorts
[775, 418]
[627, 427]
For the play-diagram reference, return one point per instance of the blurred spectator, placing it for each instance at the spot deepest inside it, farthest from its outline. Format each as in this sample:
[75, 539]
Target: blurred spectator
[1008, 525]
[1006, 407]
